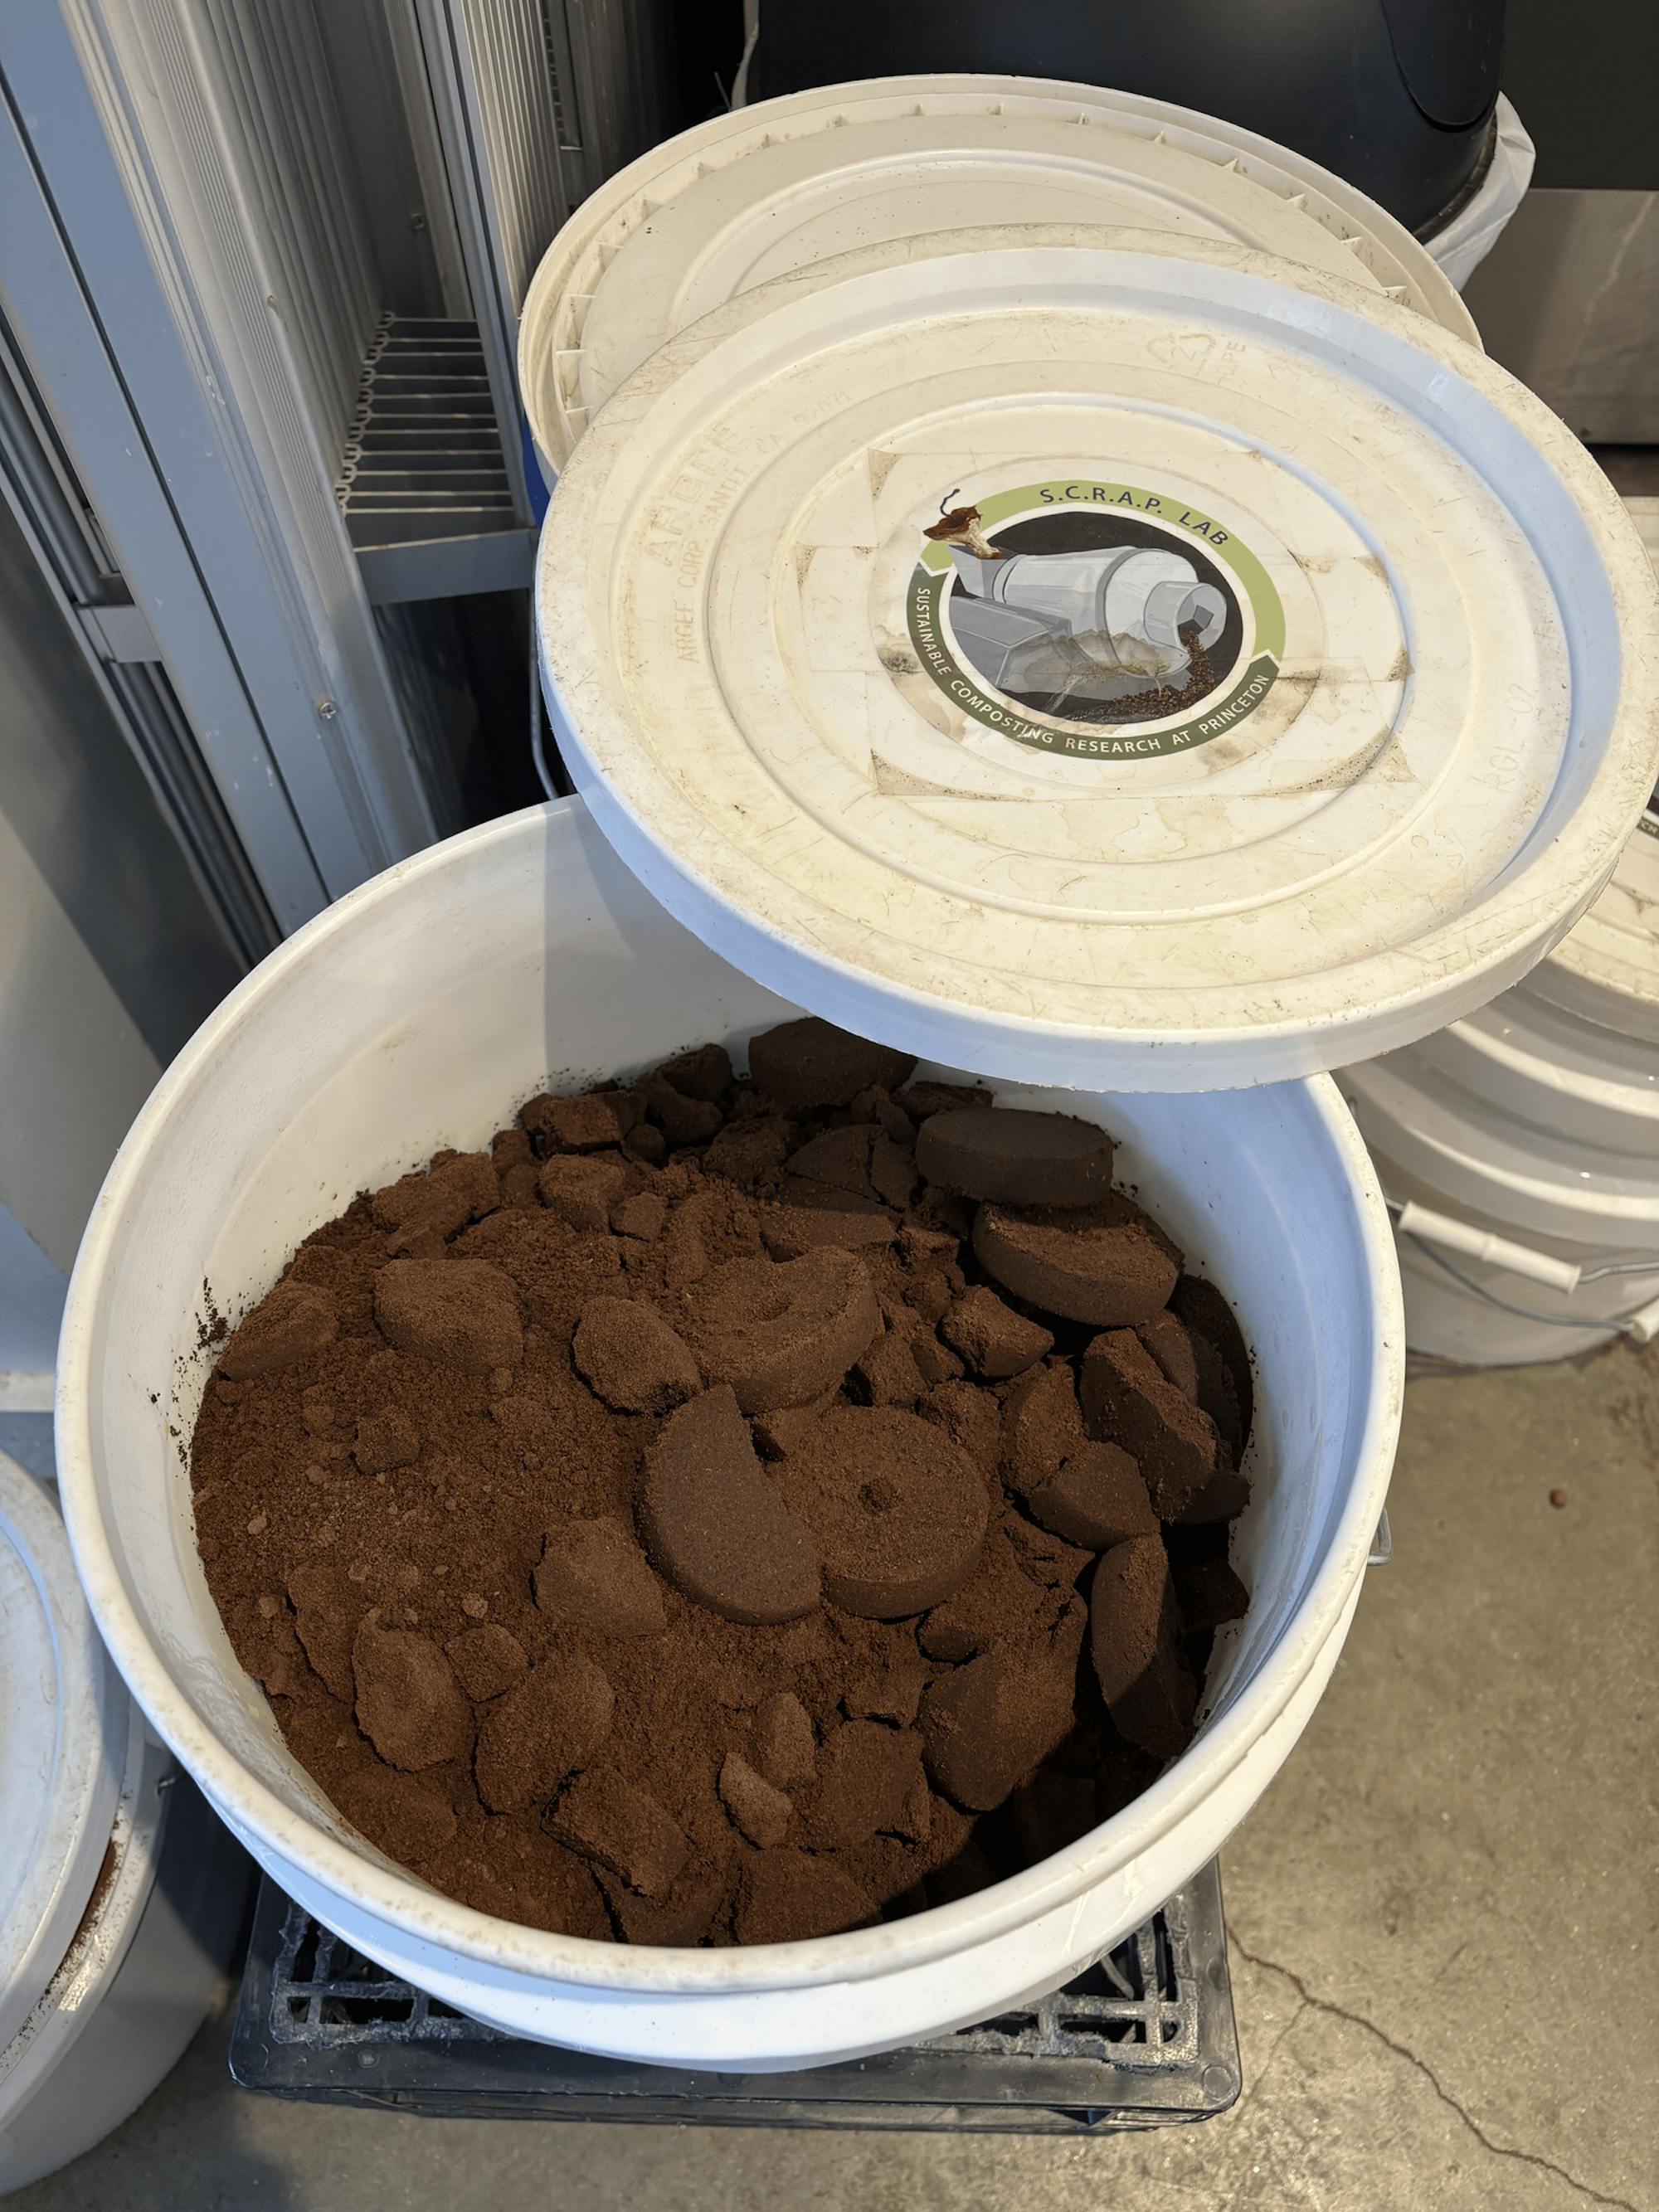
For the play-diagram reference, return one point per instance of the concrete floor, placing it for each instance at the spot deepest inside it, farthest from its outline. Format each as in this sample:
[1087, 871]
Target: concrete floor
[1443, 1917]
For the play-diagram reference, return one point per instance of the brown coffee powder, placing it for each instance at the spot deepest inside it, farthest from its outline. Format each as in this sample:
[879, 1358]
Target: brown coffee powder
[663, 1527]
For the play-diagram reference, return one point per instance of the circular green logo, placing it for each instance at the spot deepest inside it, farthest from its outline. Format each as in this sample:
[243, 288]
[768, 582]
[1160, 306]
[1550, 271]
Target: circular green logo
[1099, 620]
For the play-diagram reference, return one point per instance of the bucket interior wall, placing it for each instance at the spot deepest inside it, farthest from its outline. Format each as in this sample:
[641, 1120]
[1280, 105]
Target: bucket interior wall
[421, 1012]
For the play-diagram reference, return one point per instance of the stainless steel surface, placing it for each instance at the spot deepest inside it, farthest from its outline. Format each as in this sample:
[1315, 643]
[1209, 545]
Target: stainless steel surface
[423, 457]
[428, 569]
[1569, 300]
[259, 75]
[187, 337]
[464, 114]
[114, 949]
[378, 72]
[122, 654]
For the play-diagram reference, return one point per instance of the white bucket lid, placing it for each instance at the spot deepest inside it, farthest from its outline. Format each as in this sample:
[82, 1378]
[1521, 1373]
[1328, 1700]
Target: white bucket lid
[63, 1724]
[1426, 726]
[1607, 971]
[769, 188]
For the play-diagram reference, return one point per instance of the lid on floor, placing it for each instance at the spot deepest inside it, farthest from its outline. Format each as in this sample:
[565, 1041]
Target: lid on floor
[769, 188]
[1099, 667]
[62, 1739]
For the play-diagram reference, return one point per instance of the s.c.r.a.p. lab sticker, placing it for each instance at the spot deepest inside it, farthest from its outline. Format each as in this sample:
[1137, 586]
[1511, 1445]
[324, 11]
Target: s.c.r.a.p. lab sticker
[1099, 620]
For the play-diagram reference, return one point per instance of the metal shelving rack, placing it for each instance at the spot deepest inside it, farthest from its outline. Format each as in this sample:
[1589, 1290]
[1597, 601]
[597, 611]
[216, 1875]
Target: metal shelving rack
[259, 281]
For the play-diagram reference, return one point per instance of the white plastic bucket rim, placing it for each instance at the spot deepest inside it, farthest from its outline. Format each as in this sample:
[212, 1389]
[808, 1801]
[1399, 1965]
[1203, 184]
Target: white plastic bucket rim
[89, 1969]
[572, 266]
[64, 1749]
[1605, 971]
[445, 1931]
[790, 202]
[1484, 1314]
[1306, 1021]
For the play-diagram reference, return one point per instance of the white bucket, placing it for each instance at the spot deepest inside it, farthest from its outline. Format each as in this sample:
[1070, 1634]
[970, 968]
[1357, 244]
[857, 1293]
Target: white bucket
[1537, 1119]
[414, 1013]
[1529, 1122]
[765, 190]
[120, 1896]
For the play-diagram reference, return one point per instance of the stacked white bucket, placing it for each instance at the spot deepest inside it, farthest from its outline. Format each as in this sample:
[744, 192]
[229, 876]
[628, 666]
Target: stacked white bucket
[1525, 1139]
[120, 1898]
[750, 266]
[890, 167]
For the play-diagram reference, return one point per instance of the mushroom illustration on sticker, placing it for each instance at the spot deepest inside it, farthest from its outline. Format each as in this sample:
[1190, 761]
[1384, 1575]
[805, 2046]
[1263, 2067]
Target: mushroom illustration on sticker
[958, 526]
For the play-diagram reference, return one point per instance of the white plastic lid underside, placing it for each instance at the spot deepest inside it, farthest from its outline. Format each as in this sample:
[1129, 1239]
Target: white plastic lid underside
[1608, 969]
[784, 206]
[554, 327]
[63, 1729]
[1435, 784]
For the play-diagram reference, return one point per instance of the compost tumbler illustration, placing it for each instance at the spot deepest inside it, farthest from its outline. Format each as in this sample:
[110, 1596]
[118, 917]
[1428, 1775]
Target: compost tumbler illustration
[1101, 624]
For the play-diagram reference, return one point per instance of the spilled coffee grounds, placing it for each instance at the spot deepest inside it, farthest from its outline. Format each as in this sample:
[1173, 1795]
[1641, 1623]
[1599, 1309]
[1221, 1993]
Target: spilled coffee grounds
[731, 1510]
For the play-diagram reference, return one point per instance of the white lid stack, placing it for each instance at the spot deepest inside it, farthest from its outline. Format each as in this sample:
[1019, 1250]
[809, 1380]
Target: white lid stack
[1049, 580]
[980, 799]
[1607, 970]
[766, 189]
[1537, 1118]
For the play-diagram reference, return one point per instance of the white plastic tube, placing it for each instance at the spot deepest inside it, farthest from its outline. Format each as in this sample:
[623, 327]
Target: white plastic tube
[1455, 1236]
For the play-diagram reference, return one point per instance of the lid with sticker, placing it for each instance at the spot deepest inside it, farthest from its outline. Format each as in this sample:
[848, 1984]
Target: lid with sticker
[1157, 671]
[1607, 969]
[765, 190]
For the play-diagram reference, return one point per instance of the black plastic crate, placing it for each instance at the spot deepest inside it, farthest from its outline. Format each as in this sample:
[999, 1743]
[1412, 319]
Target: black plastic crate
[1143, 2037]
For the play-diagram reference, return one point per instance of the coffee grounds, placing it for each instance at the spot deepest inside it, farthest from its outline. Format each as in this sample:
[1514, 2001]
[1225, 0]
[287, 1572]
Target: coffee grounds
[760, 1812]
[1107, 1265]
[1171, 1347]
[783, 1746]
[607, 1821]
[1010, 1157]
[628, 1355]
[1225, 1390]
[809, 1063]
[781, 1333]
[995, 1342]
[1135, 1636]
[594, 1576]
[896, 1510]
[1096, 1498]
[715, 1524]
[1127, 1402]
[668, 1525]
